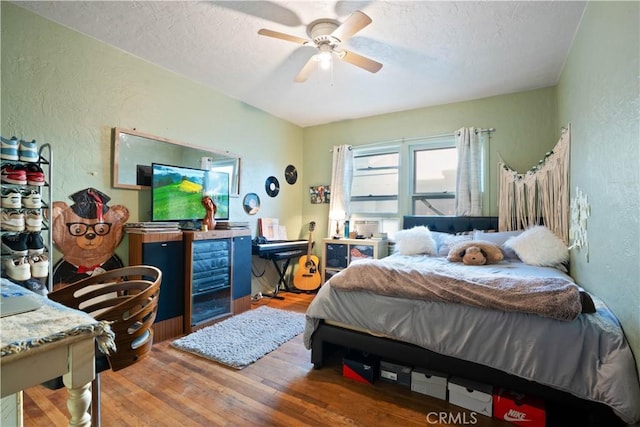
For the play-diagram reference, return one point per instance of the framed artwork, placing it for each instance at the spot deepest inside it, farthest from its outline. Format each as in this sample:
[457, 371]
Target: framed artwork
[319, 194]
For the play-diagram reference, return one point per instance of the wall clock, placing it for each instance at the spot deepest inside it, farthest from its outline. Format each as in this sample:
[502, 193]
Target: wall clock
[272, 186]
[291, 174]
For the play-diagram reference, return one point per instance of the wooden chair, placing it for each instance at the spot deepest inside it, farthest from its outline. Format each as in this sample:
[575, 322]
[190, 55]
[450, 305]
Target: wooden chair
[127, 297]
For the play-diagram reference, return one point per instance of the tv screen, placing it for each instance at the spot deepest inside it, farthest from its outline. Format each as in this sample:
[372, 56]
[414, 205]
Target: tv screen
[177, 191]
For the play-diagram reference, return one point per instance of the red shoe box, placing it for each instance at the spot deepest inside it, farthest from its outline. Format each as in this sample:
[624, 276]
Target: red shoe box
[360, 367]
[518, 408]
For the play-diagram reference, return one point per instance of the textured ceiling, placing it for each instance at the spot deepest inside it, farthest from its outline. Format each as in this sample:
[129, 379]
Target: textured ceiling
[433, 52]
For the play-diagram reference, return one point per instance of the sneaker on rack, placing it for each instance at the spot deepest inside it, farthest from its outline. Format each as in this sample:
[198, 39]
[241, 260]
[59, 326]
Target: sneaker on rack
[39, 266]
[35, 244]
[14, 174]
[31, 199]
[36, 285]
[35, 174]
[12, 220]
[28, 151]
[11, 198]
[15, 244]
[9, 149]
[33, 220]
[17, 268]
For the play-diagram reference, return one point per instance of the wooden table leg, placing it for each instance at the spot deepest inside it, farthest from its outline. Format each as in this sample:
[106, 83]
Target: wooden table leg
[78, 382]
[78, 405]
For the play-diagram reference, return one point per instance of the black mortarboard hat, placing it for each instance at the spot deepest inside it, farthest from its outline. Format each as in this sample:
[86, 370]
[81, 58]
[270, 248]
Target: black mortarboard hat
[90, 203]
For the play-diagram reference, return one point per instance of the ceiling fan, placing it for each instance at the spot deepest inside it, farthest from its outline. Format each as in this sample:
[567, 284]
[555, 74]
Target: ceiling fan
[327, 35]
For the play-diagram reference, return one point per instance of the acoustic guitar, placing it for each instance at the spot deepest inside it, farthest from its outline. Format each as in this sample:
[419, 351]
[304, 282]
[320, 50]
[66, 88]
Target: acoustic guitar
[307, 277]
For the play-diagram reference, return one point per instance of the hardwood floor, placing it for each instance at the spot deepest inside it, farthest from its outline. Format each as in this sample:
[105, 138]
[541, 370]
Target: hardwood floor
[174, 388]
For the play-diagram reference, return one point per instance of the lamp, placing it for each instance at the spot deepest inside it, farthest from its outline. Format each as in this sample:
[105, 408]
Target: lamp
[337, 216]
[324, 59]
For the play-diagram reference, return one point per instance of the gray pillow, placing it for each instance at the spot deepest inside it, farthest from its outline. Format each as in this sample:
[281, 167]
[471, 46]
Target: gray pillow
[499, 238]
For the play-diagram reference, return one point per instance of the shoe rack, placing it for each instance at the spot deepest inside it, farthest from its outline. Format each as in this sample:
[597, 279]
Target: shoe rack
[44, 162]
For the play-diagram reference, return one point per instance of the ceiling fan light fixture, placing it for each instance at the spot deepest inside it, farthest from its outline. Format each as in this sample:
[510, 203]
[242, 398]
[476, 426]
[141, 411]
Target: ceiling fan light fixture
[327, 35]
[325, 60]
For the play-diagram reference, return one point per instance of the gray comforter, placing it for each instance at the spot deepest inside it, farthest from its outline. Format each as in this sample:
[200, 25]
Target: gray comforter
[437, 279]
[587, 357]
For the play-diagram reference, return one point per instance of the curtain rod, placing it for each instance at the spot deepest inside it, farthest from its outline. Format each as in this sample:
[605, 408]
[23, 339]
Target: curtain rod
[418, 138]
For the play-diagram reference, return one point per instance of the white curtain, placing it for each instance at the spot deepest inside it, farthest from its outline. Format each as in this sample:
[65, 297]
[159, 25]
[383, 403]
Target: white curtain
[469, 179]
[341, 179]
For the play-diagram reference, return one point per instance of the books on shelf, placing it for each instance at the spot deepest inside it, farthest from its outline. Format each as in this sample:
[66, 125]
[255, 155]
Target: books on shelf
[170, 227]
[152, 224]
[270, 229]
[231, 225]
[151, 227]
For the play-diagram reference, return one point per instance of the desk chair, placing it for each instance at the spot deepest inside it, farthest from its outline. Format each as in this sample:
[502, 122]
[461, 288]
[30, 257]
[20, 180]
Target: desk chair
[127, 297]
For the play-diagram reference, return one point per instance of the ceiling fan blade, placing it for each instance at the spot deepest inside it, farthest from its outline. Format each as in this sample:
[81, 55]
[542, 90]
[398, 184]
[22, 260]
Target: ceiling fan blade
[306, 71]
[354, 23]
[283, 36]
[360, 61]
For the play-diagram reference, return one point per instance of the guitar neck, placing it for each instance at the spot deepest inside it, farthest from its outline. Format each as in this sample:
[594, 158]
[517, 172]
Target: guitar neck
[309, 244]
[312, 226]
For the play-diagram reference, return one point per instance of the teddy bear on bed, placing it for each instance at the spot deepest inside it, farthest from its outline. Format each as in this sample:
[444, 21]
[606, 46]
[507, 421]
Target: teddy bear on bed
[87, 233]
[475, 252]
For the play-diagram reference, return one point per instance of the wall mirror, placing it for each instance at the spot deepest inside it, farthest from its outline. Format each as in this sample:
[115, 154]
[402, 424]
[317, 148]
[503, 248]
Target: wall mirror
[134, 152]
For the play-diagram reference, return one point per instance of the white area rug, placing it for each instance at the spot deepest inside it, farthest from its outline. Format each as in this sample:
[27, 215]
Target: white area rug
[241, 340]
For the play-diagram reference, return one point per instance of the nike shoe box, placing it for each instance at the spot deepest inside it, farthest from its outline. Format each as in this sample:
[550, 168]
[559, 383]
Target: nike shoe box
[429, 382]
[395, 373]
[475, 396]
[360, 367]
[518, 408]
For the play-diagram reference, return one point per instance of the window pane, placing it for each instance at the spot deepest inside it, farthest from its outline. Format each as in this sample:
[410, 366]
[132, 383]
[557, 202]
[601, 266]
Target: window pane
[387, 160]
[374, 206]
[375, 175]
[375, 184]
[435, 170]
[433, 206]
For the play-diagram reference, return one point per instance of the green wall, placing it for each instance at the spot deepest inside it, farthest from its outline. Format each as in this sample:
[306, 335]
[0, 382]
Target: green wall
[526, 127]
[67, 89]
[599, 95]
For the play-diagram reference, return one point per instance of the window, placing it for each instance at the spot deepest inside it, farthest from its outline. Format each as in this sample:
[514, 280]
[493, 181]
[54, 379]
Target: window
[417, 178]
[433, 187]
[375, 182]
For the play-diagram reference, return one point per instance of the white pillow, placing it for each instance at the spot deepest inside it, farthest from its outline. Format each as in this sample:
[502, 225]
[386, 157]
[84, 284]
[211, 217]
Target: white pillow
[539, 246]
[415, 241]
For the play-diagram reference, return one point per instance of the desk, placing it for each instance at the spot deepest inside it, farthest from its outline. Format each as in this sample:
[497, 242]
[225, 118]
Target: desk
[49, 342]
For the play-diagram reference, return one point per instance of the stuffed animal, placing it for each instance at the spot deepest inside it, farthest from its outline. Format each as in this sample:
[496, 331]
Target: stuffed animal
[475, 252]
[87, 233]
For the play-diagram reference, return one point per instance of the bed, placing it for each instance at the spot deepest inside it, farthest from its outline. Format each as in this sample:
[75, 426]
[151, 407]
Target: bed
[579, 361]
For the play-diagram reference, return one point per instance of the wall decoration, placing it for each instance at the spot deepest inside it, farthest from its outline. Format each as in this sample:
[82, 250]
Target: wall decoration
[320, 194]
[87, 233]
[580, 211]
[251, 203]
[272, 186]
[541, 193]
[291, 174]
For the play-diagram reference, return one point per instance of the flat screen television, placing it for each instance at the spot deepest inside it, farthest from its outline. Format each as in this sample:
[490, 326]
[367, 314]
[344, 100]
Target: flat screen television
[177, 191]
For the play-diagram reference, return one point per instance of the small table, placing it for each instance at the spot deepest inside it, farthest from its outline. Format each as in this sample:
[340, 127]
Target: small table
[47, 343]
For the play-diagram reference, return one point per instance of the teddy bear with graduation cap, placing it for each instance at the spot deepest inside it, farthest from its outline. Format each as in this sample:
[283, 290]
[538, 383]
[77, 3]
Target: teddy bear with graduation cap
[87, 233]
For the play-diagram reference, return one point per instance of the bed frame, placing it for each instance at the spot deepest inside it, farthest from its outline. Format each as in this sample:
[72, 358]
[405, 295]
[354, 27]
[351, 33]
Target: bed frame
[329, 338]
